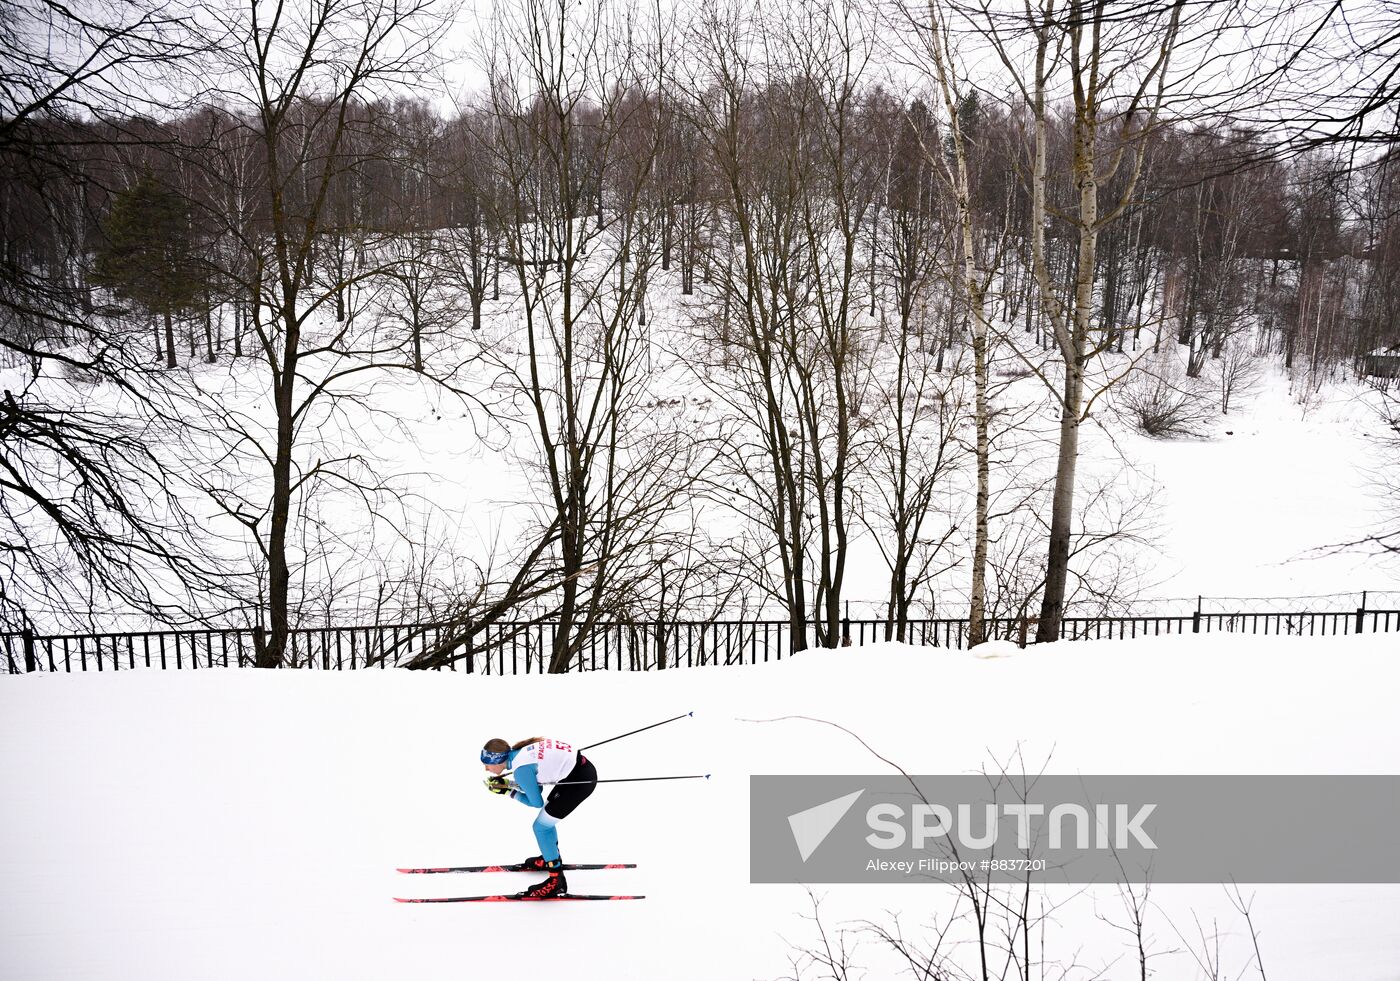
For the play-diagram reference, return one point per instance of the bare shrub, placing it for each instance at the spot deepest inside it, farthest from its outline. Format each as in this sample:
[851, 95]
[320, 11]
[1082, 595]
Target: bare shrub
[77, 373]
[1239, 372]
[1160, 401]
[989, 929]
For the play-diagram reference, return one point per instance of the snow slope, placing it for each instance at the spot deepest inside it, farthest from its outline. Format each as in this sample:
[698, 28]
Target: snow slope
[225, 824]
[1258, 507]
[1255, 507]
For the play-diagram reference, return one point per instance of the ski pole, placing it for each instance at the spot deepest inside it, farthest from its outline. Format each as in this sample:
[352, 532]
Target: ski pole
[635, 731]
[569, 783]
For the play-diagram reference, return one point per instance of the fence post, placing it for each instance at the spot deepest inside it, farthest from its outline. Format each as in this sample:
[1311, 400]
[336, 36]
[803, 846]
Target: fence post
[31, 663]
[661, 626]
[1361, 612]
[846, 627]
[467, 643]
[1196, 617]
[1023, 638]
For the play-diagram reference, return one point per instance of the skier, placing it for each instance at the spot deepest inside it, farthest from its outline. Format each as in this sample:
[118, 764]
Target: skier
[534, 763]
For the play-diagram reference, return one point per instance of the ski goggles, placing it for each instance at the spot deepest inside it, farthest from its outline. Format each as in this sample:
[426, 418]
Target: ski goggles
[491, 759]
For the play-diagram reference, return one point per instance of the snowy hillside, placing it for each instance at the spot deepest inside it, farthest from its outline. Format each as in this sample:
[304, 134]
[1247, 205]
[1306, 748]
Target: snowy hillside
[1267, 497]
[440, 490]
[233, 825]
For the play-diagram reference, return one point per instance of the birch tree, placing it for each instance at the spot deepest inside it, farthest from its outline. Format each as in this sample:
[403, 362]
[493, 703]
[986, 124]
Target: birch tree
[1116, 67]
[979, 250]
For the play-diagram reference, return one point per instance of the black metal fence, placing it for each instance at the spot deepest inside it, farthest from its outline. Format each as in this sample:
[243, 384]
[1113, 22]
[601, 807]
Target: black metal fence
[525, 648]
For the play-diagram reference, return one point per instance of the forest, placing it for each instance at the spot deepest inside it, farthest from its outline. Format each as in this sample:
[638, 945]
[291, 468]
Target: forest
[722, 294]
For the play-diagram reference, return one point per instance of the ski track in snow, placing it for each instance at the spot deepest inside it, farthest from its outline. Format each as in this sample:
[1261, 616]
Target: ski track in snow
[233, 825]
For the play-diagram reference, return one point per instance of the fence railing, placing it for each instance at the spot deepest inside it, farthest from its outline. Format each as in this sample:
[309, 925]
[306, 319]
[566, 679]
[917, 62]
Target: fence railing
[527, 647]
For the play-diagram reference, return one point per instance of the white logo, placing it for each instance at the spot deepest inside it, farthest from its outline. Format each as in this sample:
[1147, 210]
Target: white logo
[810, 827]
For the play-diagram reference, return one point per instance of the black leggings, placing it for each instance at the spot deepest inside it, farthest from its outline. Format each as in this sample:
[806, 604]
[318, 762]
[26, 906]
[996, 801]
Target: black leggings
[573, 790]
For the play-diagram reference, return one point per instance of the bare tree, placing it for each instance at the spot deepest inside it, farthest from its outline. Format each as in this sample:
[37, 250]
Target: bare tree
[476, 211]
[299, 81]
[1117, 69]
[576, 138]
[790, 350]
[989, 930]
[416, 292]
[915, 450]
[917, 405]
[1238, 371]
[93, 520]
[760, 295]
[980, 251]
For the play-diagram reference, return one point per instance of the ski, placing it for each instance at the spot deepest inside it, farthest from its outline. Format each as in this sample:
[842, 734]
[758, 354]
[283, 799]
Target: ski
[514, 868]
[567, 897]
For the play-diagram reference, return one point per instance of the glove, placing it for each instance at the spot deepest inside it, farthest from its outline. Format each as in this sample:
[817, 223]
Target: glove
[498, 785]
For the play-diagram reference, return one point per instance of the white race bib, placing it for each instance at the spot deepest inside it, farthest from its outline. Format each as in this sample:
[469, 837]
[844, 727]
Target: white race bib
[553, 760]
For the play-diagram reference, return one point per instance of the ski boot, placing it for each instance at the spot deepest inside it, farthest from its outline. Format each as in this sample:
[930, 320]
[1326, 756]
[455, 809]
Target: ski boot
[553, 885]
[535, 864]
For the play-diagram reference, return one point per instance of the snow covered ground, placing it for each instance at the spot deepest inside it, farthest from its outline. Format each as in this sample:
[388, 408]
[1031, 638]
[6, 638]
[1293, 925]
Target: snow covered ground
[225, 824]
[1254, 507]
[1261, 503]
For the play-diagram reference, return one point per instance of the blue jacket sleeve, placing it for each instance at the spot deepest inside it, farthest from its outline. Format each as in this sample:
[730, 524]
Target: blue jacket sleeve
[528, 782]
